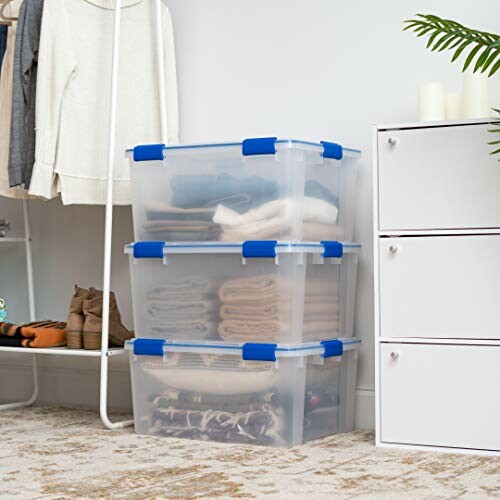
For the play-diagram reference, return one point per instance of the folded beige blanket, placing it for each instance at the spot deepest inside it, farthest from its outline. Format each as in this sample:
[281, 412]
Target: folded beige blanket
[245, 331]
[274, 310]
[311, 231]
[258, 288]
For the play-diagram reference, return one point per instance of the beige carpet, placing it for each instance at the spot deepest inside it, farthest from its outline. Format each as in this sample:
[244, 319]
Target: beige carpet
[66, 454]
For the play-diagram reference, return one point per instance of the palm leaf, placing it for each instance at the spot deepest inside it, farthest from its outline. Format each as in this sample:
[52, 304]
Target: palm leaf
[445, 34]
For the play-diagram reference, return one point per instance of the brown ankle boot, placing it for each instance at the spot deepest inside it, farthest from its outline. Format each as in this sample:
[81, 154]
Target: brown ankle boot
[92, 327]
[75, 319]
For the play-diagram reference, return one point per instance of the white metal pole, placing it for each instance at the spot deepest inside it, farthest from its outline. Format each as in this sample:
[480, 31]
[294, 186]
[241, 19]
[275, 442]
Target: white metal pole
[108, 231]
[160, 50]
[29, 261]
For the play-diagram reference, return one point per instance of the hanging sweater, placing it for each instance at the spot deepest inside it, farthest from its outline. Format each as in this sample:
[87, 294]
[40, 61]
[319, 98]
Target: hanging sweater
[22, 132]
[73, 96]
[6, 78]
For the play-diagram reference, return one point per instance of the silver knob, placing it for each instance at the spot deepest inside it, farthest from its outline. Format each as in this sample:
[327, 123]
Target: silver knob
[392, 141]
[394, 355]
[393, 249]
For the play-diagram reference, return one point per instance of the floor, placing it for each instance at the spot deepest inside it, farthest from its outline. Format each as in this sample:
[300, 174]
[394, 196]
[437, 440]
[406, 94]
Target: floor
[66, 454]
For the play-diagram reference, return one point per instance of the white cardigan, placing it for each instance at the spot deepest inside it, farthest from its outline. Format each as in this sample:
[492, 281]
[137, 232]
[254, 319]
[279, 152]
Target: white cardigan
[73, 96]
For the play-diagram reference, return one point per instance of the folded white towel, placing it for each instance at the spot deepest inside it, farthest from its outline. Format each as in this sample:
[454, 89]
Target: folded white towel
[277, 212]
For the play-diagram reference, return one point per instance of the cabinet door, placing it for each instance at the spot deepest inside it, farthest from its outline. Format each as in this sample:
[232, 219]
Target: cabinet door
[440, 287]
[438, 178]
[440, 395]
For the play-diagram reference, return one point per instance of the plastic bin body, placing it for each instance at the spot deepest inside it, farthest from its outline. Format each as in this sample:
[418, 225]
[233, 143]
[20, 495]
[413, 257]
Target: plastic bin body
[224, 192]
[209, 291]
[210, 392]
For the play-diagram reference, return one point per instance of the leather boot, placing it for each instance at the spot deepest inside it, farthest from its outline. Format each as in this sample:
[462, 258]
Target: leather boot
[75, 319]
[92, 327]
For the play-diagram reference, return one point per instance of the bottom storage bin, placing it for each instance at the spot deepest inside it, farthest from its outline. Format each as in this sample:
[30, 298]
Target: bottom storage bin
[263, 394]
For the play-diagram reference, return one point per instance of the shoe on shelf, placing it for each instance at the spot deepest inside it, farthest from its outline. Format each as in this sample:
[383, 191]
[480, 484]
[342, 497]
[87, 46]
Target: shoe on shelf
[92, 326]
[75, 319]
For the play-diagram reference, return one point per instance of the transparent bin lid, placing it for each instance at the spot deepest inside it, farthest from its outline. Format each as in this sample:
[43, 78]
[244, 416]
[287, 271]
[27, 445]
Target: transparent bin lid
[248, 350]
[247, 147]
[265, 248]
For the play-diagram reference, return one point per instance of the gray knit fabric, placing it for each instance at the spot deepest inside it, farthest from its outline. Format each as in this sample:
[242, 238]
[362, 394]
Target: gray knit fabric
[22, 140]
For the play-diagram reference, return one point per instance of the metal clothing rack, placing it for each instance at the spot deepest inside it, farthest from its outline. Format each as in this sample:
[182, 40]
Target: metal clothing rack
[105, 352]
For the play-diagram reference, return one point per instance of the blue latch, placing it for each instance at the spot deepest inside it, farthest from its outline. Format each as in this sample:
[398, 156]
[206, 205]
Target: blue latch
[149, 152]
[259, 249]
[333, 249]
[332, 348]
[262, 146]
[148, 250]
[149, 347]
[259, 352]
[332, 150]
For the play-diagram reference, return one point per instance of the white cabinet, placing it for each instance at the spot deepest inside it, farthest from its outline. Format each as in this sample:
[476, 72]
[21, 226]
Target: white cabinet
[436, 195]
[440, 395]
[440, 286]
[438, 178]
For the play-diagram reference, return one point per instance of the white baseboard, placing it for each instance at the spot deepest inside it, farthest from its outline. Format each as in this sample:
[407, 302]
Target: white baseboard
[74, 383]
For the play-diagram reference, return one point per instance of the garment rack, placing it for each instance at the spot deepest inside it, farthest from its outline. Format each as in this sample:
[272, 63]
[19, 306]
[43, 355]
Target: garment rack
[105, 352]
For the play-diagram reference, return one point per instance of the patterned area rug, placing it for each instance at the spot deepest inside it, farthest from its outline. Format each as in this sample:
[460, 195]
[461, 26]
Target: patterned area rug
[67, 454]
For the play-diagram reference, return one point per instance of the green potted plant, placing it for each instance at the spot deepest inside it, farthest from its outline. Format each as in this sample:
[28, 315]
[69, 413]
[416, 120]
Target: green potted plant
[482, 49]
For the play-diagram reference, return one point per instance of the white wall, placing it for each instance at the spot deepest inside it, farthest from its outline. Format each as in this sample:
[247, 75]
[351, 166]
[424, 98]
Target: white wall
[315, 69]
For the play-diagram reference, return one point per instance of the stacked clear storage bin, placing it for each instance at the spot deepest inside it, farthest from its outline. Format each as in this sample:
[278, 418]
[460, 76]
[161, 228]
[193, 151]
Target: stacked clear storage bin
[237, 251]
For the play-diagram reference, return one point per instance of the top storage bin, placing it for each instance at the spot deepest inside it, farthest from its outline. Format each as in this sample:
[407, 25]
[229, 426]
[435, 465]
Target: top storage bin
[257, 189]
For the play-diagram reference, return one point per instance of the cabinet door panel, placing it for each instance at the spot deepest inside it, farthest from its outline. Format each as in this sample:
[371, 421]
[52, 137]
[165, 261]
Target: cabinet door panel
[440, 395]
[440, 287]
[438, 178]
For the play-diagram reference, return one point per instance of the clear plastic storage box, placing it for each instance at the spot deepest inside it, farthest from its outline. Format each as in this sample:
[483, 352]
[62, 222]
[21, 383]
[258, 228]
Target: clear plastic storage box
[243, 393]
[256, 291]
[256, 189]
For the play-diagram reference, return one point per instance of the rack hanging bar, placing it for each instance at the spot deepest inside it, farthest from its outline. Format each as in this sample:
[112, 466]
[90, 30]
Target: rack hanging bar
[108, 230]
[161, 73]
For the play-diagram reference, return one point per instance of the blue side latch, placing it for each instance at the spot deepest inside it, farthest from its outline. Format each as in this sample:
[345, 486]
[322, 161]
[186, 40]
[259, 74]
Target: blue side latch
[259, 352]
[149, 250]
[259, 249]
[332, 348]
[332, 150]
[149, 347]
[333, 249]
[149, 152]
[259, 146]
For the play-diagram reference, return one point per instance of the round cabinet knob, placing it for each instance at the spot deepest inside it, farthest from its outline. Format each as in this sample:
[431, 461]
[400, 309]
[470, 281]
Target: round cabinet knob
[392, 141]
[393, 249]
[394, 355]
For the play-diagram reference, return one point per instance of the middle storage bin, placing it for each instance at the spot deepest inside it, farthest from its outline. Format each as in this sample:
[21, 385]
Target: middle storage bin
[256, 291]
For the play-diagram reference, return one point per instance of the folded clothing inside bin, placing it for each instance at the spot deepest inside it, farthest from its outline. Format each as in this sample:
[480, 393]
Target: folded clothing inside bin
[181, 309]
[259, 308]
[224, 207]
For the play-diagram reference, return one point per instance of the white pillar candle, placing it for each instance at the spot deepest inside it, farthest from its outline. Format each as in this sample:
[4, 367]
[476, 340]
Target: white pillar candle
[431, 102]
[475, 95]
[453, 106]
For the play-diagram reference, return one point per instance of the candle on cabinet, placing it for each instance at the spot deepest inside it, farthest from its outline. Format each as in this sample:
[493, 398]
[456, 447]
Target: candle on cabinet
[475, 95]
[431, 102]
[453, 106]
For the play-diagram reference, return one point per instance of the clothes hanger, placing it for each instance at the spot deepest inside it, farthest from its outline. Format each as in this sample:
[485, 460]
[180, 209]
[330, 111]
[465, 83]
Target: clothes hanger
[4, 18]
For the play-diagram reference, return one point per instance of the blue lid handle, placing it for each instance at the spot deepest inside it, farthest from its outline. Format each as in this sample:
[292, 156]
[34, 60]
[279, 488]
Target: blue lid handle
[259, 352]
[149, 347]
[149, 152]
[259, 249]
[148, 250]
[332, 348]
[332, 150]
[259, 146]
[333, 249]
